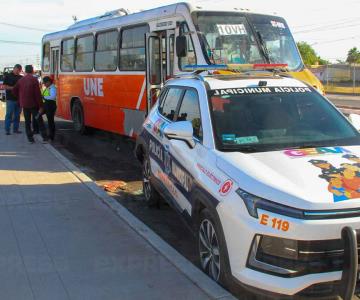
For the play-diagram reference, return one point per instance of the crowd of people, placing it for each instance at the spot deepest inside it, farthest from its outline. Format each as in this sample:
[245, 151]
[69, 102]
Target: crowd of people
[25, 94]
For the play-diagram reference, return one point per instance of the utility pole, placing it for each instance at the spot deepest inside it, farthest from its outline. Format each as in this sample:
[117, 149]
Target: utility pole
[354, 78]
[38, 61]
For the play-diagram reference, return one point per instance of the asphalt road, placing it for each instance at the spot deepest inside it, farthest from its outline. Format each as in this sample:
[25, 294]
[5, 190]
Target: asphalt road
[345, 100]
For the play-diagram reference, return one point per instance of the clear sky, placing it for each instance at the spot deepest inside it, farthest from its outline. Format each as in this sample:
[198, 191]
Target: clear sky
[331, 27]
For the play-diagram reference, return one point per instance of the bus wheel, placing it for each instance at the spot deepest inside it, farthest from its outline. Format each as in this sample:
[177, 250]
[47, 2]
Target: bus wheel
[77, 114]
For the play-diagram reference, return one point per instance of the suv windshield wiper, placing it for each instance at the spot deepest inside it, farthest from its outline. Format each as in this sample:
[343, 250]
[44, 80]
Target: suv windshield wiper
[303, 146]
[241, 148]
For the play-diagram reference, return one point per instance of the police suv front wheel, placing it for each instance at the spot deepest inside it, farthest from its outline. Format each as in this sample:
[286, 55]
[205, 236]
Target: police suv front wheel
[212, 249]
[152, 197]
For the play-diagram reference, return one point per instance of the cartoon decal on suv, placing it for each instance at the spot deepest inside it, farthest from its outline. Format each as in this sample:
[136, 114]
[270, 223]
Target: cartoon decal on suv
[344, 182]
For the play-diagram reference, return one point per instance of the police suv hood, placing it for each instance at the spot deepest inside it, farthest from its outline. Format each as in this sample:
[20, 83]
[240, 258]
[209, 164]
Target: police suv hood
[298, 178]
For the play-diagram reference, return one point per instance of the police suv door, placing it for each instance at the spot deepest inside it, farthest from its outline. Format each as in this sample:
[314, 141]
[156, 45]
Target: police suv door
[158, 145]
[180, 159]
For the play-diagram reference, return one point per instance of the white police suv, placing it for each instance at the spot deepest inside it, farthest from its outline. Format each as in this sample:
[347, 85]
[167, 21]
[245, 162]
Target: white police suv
[267, 172]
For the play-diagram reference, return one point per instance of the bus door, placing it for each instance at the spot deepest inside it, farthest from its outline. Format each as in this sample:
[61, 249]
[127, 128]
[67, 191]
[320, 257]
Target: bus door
[54, 70]
[54, 63]
[159, 62]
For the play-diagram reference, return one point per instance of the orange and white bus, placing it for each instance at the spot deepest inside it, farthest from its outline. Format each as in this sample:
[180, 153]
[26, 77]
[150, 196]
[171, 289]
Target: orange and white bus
[107, 69]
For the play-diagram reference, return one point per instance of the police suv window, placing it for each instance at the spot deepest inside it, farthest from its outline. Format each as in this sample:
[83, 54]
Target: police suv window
[170, 103]
[106, 54]
[67, 55]
[84, 59]
[190, 111]
[132, 49]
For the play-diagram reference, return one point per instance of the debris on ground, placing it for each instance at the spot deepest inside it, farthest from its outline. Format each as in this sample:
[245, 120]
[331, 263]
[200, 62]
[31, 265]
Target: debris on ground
[137, 193]
[114, 186]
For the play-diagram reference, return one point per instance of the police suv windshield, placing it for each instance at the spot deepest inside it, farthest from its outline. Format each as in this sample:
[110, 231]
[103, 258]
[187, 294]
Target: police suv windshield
[233, 38]
[257, 119]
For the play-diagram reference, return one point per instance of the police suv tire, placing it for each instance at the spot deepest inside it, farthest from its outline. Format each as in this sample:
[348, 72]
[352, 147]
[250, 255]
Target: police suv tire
[77, 114]
[151, 196]
[218, 252]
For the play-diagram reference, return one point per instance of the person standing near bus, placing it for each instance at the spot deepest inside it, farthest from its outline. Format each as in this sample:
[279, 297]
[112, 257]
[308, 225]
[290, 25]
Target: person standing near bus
[13, 109]
[49, 96]
[28, 92]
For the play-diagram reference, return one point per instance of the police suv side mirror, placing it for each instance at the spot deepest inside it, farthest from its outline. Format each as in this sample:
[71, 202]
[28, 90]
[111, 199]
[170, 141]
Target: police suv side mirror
[182, 131]
[355, 120]
[181, 46]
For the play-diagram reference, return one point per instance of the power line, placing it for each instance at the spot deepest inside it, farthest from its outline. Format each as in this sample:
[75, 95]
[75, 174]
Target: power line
[347, 20]
[24, 27]
[20, 55]
[19, 43]
[326, 28]
[337, 40]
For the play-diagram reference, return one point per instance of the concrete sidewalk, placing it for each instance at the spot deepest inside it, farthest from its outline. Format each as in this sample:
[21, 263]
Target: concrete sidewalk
[58, 240]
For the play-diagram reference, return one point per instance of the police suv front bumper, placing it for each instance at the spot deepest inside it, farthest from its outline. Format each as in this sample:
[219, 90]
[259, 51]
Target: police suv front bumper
[318, 257]
[326, 264]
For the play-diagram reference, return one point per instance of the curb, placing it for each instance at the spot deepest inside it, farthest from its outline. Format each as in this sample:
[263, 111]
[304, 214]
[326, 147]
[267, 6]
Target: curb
[207, 285]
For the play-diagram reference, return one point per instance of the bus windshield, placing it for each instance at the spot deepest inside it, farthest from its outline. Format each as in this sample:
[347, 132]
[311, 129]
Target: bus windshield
[228, 38]
[233, 38]
[277, 40]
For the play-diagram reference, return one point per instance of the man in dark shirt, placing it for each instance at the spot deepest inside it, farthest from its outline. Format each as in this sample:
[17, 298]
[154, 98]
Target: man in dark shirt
[13, 109]
[28, 91]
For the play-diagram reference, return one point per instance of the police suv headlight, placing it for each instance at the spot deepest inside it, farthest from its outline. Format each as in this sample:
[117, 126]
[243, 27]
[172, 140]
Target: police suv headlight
[278, 247]
[253, 203]
[274, 255]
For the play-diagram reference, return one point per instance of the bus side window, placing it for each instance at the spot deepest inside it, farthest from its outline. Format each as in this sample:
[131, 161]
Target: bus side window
[132, 48]
[190, 59]
[67, 55]
[106, 54]
[84, 58]
[46, 57]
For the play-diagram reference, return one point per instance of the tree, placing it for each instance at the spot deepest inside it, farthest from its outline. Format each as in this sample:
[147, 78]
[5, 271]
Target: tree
[353, 56]
[322, 61]
[309, 55]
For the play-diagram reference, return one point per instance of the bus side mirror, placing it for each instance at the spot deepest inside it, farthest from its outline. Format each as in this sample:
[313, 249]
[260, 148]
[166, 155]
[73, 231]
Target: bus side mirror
[181, 46]
[219, 43]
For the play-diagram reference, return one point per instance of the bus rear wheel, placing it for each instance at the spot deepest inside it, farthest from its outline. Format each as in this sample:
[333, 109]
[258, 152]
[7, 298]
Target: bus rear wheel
[77, 114]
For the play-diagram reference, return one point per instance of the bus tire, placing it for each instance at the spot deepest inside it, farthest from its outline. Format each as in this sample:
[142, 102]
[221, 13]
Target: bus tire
[77, 114]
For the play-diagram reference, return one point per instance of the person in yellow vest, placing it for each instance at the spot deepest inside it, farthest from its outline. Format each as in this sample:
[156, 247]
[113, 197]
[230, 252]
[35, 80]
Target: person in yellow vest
[49, 98]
